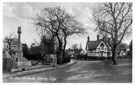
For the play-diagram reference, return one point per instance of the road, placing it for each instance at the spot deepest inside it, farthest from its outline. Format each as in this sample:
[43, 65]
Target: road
[81, 72]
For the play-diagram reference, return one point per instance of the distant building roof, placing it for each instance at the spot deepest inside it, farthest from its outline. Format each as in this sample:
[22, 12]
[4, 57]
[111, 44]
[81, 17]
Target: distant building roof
[122, 46]
[15, 42]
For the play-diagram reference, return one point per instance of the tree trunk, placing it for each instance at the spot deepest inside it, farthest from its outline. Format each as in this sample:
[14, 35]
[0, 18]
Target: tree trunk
[59, 52]
[60, 45]
[10, 49]
[65, 43]
[114, 56]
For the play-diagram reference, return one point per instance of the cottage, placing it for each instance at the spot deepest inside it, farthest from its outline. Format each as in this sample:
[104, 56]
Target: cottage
[98, 48]
[122, 49]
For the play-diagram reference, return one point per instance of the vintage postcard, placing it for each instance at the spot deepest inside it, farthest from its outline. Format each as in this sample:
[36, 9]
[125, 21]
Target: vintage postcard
[67, 42]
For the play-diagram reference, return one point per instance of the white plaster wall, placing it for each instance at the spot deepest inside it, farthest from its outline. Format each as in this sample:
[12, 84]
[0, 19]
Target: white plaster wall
[105, 47]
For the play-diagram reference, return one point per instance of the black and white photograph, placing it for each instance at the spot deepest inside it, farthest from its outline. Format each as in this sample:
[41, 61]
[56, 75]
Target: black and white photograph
[67, 42]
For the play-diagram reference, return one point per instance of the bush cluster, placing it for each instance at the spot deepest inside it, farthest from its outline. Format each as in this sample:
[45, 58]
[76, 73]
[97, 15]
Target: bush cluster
[34, 57]
[63, 59]
[85, 57]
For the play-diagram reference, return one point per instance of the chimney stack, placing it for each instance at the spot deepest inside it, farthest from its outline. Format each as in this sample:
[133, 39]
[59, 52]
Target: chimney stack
[88, 38]
[97, 37]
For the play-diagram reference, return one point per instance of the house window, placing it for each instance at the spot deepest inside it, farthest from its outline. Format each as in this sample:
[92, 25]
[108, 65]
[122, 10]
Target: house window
[98, 49]
[105, 49]
[102, 46]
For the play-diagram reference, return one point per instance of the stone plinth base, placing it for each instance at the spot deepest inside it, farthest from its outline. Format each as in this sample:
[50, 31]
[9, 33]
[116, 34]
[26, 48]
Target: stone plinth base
[23, 62]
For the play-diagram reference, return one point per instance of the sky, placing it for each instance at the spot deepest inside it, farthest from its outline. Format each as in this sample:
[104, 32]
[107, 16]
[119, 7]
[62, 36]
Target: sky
[21, 13]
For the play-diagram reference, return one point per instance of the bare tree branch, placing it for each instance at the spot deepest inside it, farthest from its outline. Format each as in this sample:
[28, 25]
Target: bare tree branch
[56, 22]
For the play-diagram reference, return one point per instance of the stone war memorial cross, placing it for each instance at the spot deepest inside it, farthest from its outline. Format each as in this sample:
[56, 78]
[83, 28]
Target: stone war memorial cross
[22, 61]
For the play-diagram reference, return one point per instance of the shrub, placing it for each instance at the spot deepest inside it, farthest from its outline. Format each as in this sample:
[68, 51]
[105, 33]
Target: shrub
[7, 64]
[81, 56]
[35, 57]
[125, 57]
[64, 59]
[97, 58]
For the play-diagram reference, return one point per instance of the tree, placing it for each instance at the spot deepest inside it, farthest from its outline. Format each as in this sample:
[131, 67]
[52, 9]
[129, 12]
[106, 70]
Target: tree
[25, 50]
[114, 20]
[56, 23]
[47, 46]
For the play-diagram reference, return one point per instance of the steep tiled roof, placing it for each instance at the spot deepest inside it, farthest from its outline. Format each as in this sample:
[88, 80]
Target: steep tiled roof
[92, 45]
[107, 44]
